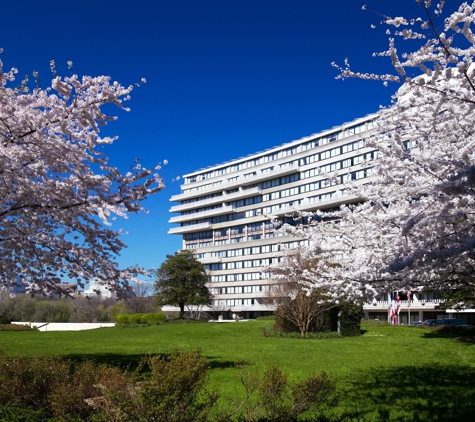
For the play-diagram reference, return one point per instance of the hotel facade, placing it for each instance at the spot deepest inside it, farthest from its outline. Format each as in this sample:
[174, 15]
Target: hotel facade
[224, 213]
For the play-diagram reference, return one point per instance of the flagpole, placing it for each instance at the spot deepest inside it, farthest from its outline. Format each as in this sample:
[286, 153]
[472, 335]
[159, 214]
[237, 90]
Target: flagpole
[409, 307]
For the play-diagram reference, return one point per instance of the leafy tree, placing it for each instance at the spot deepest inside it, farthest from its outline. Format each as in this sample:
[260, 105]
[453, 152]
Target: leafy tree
[52, 311]
[415, 225]
[58, 190]
[181, 280]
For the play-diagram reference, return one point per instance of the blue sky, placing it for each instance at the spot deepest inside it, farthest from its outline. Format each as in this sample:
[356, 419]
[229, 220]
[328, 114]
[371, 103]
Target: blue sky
[226, 78]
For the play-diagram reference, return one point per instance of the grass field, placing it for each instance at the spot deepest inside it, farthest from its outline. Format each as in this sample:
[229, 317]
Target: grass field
[389, 373]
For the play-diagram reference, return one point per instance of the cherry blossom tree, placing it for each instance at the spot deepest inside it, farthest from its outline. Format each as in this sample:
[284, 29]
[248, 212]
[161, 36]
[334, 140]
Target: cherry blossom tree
[415, 224]
[294, 303]
[58, 190]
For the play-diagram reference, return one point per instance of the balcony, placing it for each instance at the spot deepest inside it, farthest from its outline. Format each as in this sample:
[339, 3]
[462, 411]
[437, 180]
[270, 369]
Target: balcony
[416, 305]
[241, 180]
[225, 209]
[211, 260]
[190, 229]
[225, 197]
[308, 204]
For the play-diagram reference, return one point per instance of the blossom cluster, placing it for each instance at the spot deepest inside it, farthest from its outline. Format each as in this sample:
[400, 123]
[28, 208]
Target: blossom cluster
[58, 190]
[415, 223]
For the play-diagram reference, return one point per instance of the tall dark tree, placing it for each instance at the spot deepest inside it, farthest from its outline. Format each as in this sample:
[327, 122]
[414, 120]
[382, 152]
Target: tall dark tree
[181, 280]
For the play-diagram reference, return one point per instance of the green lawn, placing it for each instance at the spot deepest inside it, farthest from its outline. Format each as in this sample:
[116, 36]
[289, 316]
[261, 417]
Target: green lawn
[389, 373]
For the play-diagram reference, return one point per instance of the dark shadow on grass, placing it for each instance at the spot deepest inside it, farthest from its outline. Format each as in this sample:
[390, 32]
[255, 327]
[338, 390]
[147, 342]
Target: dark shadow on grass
[131, 362]
[423, 394]
[462, 335]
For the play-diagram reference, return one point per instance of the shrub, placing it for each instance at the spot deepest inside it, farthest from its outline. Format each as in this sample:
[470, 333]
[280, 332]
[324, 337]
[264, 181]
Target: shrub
[133, 319]
[169, 389]
[136, 319]
[350, 320]
[156, 318]
[16, 327]
[27, 382]
[320, 323]
[4, 321]
[163, 389]
[69, 399]
[279, 399]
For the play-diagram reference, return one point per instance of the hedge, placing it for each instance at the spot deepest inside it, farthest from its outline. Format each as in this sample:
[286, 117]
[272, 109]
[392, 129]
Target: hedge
[141, 319]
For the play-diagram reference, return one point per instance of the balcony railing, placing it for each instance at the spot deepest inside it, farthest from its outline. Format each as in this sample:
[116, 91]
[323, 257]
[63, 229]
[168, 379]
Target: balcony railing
[225, 197]
[241, 180]
[308, 204]
[225, 209]
[419, 304]
[190, 229]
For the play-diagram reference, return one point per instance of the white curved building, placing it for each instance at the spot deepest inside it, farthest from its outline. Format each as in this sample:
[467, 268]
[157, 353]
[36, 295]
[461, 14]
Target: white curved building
[223, 212]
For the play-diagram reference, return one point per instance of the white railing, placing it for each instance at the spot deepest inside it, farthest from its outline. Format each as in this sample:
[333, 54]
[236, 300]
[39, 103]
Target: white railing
[225, 209]
[415, 304]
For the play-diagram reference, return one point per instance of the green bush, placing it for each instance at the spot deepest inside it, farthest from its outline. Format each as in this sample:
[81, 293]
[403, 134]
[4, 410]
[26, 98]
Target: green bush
[350, 320]
[16, 327]
[163, 389]
[170, 389]
[41, 388]
[134, 319]
[122, 319]
[137, 319]
[272, 397]
[156, 318]
[4, 321]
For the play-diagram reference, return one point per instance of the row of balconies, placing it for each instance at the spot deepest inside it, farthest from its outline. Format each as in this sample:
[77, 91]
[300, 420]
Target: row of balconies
[307, 204]
[224, 209]
[342, 140]
[383, 305]
[225, 197]
[242, 180]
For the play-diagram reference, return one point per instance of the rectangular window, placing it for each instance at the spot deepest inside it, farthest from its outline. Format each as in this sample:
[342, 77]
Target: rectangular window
[255, 162]
[310, 145]
[335, 151]
[237, 167]
[289, 151]
[271, 157]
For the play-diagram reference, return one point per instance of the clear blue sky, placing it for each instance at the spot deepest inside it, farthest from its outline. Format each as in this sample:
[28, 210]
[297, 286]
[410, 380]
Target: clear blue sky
[226, 78]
